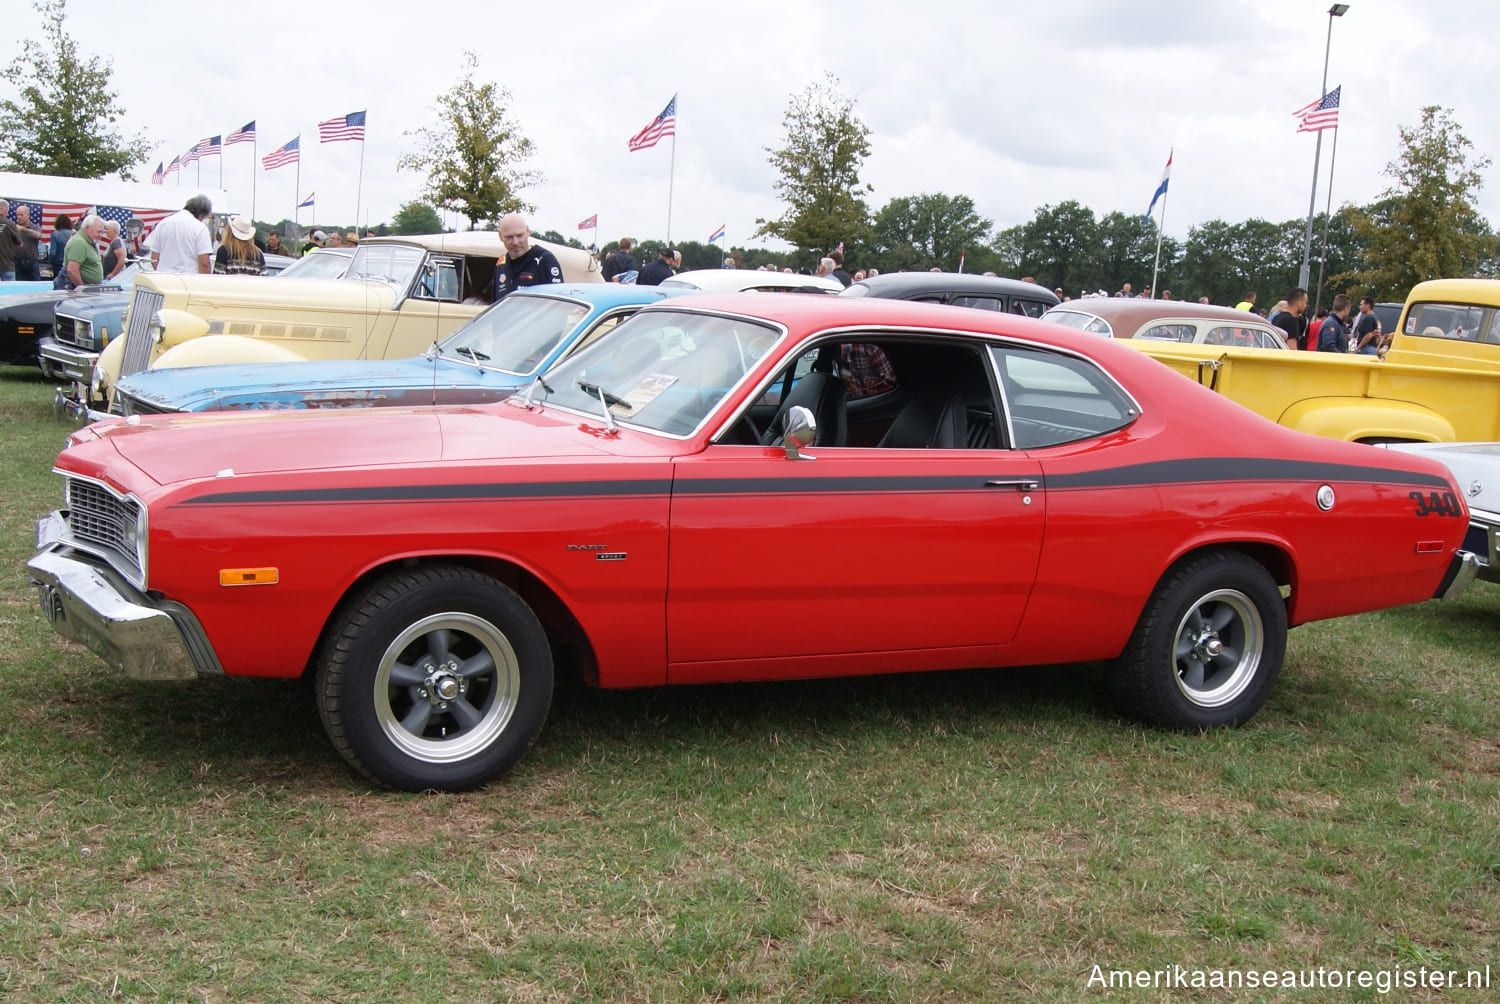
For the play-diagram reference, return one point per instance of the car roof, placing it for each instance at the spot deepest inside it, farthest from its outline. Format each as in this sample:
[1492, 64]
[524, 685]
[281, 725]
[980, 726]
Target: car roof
[1477, 291]
[730, 280]
[486, 244]
[1128, 314]
[601, 294]
[900, 285]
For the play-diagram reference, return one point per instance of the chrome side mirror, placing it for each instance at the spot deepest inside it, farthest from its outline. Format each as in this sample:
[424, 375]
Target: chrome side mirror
[801, 428]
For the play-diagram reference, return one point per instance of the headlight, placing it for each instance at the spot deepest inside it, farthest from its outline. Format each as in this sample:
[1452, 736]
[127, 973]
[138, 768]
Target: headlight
[135, 534]
[157, 326]
[98, 380]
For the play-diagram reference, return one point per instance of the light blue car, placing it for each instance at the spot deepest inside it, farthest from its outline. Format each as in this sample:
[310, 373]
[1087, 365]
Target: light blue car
[489, 358]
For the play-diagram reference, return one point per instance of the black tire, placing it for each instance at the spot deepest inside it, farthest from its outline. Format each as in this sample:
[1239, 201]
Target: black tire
[1208, 647]
[434, 678]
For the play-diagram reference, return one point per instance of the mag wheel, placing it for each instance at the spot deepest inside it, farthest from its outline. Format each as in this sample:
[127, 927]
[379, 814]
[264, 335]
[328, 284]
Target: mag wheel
[435, 679]
[1208, 647]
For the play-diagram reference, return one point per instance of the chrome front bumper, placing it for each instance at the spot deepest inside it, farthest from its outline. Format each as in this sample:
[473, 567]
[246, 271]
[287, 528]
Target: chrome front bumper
[71, 411]
[88, 602]
[67, 361]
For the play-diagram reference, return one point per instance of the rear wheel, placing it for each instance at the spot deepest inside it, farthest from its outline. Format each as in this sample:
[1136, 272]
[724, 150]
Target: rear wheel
[435, 678]
[1208, 647]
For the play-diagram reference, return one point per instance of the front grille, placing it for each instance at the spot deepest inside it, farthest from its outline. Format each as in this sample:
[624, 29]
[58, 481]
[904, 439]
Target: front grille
[103, 521]
[130, 405]
[138, 331]
[79, 334]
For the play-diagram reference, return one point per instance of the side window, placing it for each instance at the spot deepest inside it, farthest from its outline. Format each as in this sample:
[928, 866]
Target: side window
[1182, 333]
[1030, 308]
[438, 279]
[978, 302]
[1052, 398]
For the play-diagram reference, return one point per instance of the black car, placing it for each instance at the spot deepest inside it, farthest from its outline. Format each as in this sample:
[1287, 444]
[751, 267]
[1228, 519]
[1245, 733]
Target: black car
[984, 292]
[25, 318]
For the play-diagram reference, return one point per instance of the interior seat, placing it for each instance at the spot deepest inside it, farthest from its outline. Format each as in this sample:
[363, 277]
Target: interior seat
[933, 421]
[822, 392]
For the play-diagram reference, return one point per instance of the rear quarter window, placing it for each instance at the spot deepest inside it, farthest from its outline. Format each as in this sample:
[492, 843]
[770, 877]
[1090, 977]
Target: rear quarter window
[1051, 398]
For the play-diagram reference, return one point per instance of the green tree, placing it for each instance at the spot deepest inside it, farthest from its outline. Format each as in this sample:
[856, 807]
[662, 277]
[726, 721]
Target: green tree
[922, 231]
[472, 155]
[1125, 252]
[1059, 247]
[61, 120]
[416, 218]
[819, 173]
[1428, 226]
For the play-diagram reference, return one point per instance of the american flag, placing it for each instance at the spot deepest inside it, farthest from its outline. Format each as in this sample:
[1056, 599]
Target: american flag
[244, 134]
[1321, 114]
[664, 124]
[158, 175]
[287, 153]
[344, 127]
[172, 167]
[592, 223]
[44, 214]
[209, 147]
[190, 156]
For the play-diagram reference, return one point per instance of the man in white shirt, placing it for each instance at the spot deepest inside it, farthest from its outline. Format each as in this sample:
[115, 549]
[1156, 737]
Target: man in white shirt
[180, 243]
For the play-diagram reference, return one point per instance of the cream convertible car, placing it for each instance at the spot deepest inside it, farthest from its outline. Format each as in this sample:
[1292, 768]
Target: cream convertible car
[399, 296]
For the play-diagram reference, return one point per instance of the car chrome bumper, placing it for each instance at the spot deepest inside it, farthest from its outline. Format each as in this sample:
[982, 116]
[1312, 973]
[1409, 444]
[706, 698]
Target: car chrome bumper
[1461, 571]
[67, 361]
[73, 412]
[87, 602]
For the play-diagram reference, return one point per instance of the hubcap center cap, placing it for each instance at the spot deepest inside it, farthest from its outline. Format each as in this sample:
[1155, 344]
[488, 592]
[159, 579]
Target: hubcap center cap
[444, 684]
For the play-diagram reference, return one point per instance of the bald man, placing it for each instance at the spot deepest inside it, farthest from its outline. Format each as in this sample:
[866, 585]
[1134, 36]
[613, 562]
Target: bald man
[524, 263]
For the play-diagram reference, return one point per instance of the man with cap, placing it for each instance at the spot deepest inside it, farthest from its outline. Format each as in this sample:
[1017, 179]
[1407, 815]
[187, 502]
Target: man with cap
[180, 243]
[524, 264]
[314, 240]
[653, 273]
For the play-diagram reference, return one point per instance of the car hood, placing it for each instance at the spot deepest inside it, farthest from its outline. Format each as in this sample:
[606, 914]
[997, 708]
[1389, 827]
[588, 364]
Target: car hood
[88, 306]
[335, 383]
[175, 448]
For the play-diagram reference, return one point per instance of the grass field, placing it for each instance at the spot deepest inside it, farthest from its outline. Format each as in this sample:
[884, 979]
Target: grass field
[977, 836]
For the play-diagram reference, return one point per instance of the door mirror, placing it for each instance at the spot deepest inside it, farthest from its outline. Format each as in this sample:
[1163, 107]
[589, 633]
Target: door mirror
[801, 427]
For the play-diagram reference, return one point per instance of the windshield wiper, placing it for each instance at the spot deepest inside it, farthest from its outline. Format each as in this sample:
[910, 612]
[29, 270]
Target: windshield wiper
[478, 358]
[606, 401]
[531, 389]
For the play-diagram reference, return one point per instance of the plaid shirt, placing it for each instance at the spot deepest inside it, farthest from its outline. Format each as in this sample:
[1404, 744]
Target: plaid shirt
[865, 370]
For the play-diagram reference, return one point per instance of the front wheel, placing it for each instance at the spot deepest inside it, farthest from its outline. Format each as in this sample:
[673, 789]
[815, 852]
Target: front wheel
[435, 679]
[1208, 647]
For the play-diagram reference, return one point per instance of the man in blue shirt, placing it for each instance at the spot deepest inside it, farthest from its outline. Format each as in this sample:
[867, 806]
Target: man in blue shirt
[1333, 336]
[524, 264]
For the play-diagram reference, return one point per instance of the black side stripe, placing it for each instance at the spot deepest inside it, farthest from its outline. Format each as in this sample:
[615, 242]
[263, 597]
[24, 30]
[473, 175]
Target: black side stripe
[1207, 470]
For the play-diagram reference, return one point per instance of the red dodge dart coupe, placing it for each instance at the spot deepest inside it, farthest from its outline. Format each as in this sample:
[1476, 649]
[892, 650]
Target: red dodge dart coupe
[752, 487]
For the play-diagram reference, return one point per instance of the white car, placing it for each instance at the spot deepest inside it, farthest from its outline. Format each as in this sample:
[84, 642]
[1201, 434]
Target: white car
[1476, 469]
[738, 280]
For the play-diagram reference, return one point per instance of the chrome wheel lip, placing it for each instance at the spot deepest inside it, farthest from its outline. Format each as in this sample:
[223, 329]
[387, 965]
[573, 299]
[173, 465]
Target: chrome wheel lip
[496, 711]
[1245, 632]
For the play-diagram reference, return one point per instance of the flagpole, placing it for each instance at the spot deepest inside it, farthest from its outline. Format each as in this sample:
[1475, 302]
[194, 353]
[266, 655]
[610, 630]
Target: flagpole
[360, 185]
[1160, 229]
[254, 159]
[1337, 10]
[297, 190]
[671, 173]
[1333, 157]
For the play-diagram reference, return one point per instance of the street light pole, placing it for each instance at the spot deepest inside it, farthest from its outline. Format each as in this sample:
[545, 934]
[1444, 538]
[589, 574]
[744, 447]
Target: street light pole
[1337, 10]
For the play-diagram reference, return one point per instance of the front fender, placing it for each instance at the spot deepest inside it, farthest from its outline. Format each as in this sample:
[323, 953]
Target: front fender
[220, 350]
[1355, 418]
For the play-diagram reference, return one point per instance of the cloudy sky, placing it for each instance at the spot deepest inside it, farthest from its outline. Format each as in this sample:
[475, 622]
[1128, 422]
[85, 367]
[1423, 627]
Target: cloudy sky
[1015, 105]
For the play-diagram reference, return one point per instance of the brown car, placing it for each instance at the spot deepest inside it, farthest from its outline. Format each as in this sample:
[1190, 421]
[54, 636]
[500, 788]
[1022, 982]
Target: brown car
[1168, 321]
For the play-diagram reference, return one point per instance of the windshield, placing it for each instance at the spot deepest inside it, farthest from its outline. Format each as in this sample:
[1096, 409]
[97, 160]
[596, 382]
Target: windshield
[317, 265]
[517, 333]
[393, 264]
[1081, 321]
[662, 370]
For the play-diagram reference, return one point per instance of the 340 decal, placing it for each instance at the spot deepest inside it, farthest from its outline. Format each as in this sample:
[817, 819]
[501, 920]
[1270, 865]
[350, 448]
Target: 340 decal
[1436, 504]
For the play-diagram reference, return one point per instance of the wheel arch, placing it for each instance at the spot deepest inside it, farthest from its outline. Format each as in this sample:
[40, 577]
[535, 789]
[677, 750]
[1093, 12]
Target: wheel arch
[572, 650]
[1270, 555]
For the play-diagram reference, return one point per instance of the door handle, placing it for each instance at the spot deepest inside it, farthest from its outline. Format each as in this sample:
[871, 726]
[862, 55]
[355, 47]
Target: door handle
[1019, 484]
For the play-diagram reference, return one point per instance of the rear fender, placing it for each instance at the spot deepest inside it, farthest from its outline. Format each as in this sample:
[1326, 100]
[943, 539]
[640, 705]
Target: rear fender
[1356, 419]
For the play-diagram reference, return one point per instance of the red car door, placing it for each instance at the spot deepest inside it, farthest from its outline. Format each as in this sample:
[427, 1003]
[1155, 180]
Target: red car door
[782, 567]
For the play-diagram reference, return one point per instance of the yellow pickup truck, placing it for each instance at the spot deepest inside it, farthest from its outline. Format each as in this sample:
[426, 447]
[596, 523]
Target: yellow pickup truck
[1439, 382]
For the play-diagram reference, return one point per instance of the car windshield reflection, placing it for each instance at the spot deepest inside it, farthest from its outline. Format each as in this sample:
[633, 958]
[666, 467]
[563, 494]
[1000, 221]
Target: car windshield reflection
[517, 334]
[393, 264]
[662, 370]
